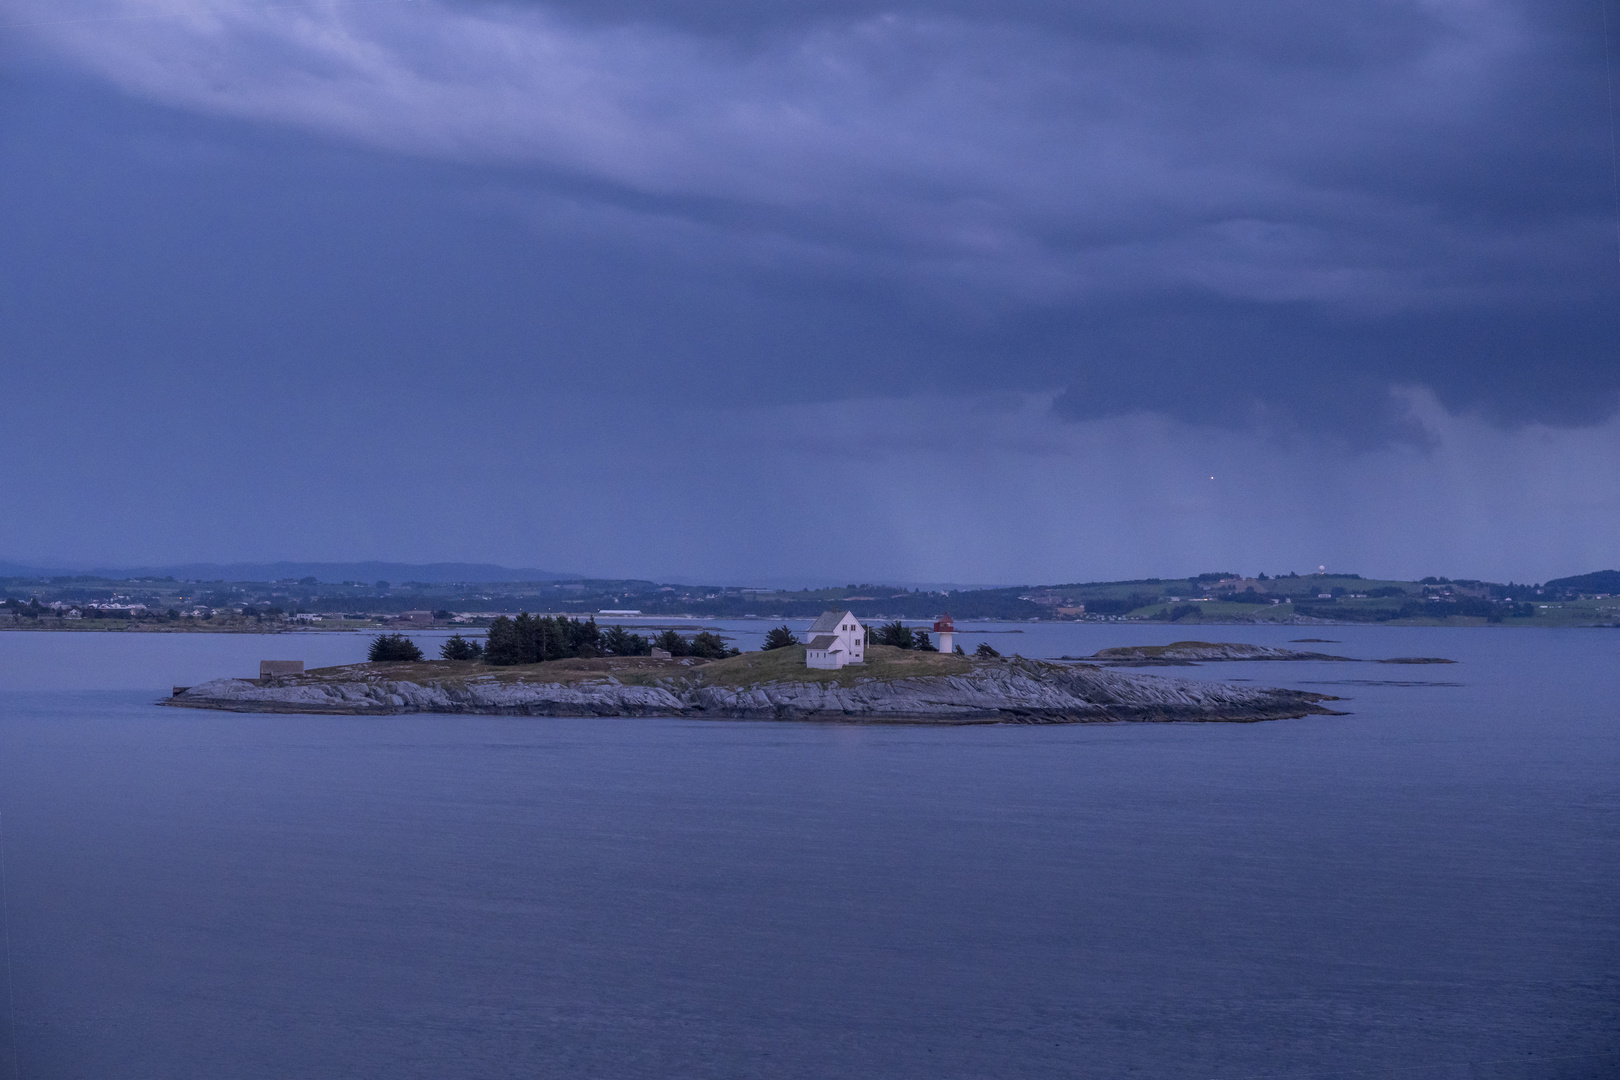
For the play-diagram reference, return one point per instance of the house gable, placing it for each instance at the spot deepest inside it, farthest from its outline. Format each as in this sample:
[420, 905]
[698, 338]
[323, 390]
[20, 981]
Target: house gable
[835, 639]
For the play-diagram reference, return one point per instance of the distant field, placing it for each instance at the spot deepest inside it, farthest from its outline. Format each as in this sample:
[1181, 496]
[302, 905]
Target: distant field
[168, 605]
[1567, 613]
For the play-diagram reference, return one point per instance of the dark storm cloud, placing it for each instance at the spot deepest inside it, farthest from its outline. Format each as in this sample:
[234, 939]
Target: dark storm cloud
[1218, 211]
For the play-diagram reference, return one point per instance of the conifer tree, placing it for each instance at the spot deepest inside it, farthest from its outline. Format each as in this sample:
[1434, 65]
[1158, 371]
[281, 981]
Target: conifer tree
[393, 648]
[459, 648]
[780, 638]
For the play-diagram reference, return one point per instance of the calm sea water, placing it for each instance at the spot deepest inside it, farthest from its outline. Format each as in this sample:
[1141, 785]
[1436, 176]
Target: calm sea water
[1427, 887]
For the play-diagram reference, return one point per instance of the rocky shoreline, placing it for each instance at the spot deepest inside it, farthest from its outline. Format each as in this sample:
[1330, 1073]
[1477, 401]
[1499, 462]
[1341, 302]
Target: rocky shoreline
[1002, 691]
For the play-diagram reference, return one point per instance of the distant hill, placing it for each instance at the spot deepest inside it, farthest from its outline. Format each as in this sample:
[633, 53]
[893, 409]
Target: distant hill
[432, 573]
[11, 569]
[1602, 581]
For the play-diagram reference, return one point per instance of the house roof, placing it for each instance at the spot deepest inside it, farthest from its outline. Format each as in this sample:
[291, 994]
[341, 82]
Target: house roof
[823, 641]
[830, 621]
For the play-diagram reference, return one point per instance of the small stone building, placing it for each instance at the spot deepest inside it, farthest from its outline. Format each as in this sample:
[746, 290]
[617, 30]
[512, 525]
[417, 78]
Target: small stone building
[835, 640]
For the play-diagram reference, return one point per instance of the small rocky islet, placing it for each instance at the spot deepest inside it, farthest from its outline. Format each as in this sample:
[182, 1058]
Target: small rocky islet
[1191, 653]
[894, 686]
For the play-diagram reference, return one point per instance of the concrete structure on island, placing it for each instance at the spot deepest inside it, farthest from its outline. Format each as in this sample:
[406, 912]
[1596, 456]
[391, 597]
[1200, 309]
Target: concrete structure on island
[944, 629]
[270, 669]
[835, 640]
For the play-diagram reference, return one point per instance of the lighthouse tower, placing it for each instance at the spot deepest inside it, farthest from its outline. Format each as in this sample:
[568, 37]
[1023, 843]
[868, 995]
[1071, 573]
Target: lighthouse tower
[944, 629]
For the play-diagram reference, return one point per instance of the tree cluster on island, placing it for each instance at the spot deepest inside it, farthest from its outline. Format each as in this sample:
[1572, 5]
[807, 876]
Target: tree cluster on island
[900, 636]
[703, 645]
[529, 639]
[780, 637]
[535, 639]
[896, 634]
[460, 648]
[393, 648]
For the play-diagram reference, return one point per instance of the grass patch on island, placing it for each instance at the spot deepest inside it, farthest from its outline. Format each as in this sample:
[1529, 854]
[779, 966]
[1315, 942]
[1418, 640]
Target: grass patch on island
[787, 665]
[1153, 652]
[635, 670]
[749, 669]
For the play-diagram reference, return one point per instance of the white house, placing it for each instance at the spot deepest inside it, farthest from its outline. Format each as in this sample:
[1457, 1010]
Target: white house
[835, 640]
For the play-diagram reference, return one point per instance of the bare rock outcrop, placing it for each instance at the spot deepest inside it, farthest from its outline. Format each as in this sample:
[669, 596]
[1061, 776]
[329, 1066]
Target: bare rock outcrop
[1191, 652]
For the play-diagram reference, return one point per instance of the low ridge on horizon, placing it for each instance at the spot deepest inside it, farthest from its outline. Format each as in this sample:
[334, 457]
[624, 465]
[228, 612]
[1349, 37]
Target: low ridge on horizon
[324, 572]
[438, 573]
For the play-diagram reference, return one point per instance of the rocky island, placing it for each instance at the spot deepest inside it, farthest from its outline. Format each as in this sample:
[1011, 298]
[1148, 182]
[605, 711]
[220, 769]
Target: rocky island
[1192, 653]
[893, 686]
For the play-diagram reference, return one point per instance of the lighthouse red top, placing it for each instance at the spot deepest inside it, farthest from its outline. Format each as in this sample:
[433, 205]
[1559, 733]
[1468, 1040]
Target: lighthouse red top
[944, 625]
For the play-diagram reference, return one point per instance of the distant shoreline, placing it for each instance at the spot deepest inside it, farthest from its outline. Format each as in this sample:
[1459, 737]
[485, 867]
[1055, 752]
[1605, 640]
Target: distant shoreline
[356, 627]
[1211, 599]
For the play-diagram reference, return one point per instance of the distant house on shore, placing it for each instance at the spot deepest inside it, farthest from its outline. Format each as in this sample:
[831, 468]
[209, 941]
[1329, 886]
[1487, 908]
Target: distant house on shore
[415, 618]
[835, 640]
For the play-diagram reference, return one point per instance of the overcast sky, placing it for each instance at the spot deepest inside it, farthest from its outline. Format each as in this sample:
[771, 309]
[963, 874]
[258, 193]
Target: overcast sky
[974, 291]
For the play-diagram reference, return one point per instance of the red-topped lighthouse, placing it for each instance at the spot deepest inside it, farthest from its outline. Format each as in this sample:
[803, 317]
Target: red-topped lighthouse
[944, 629]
